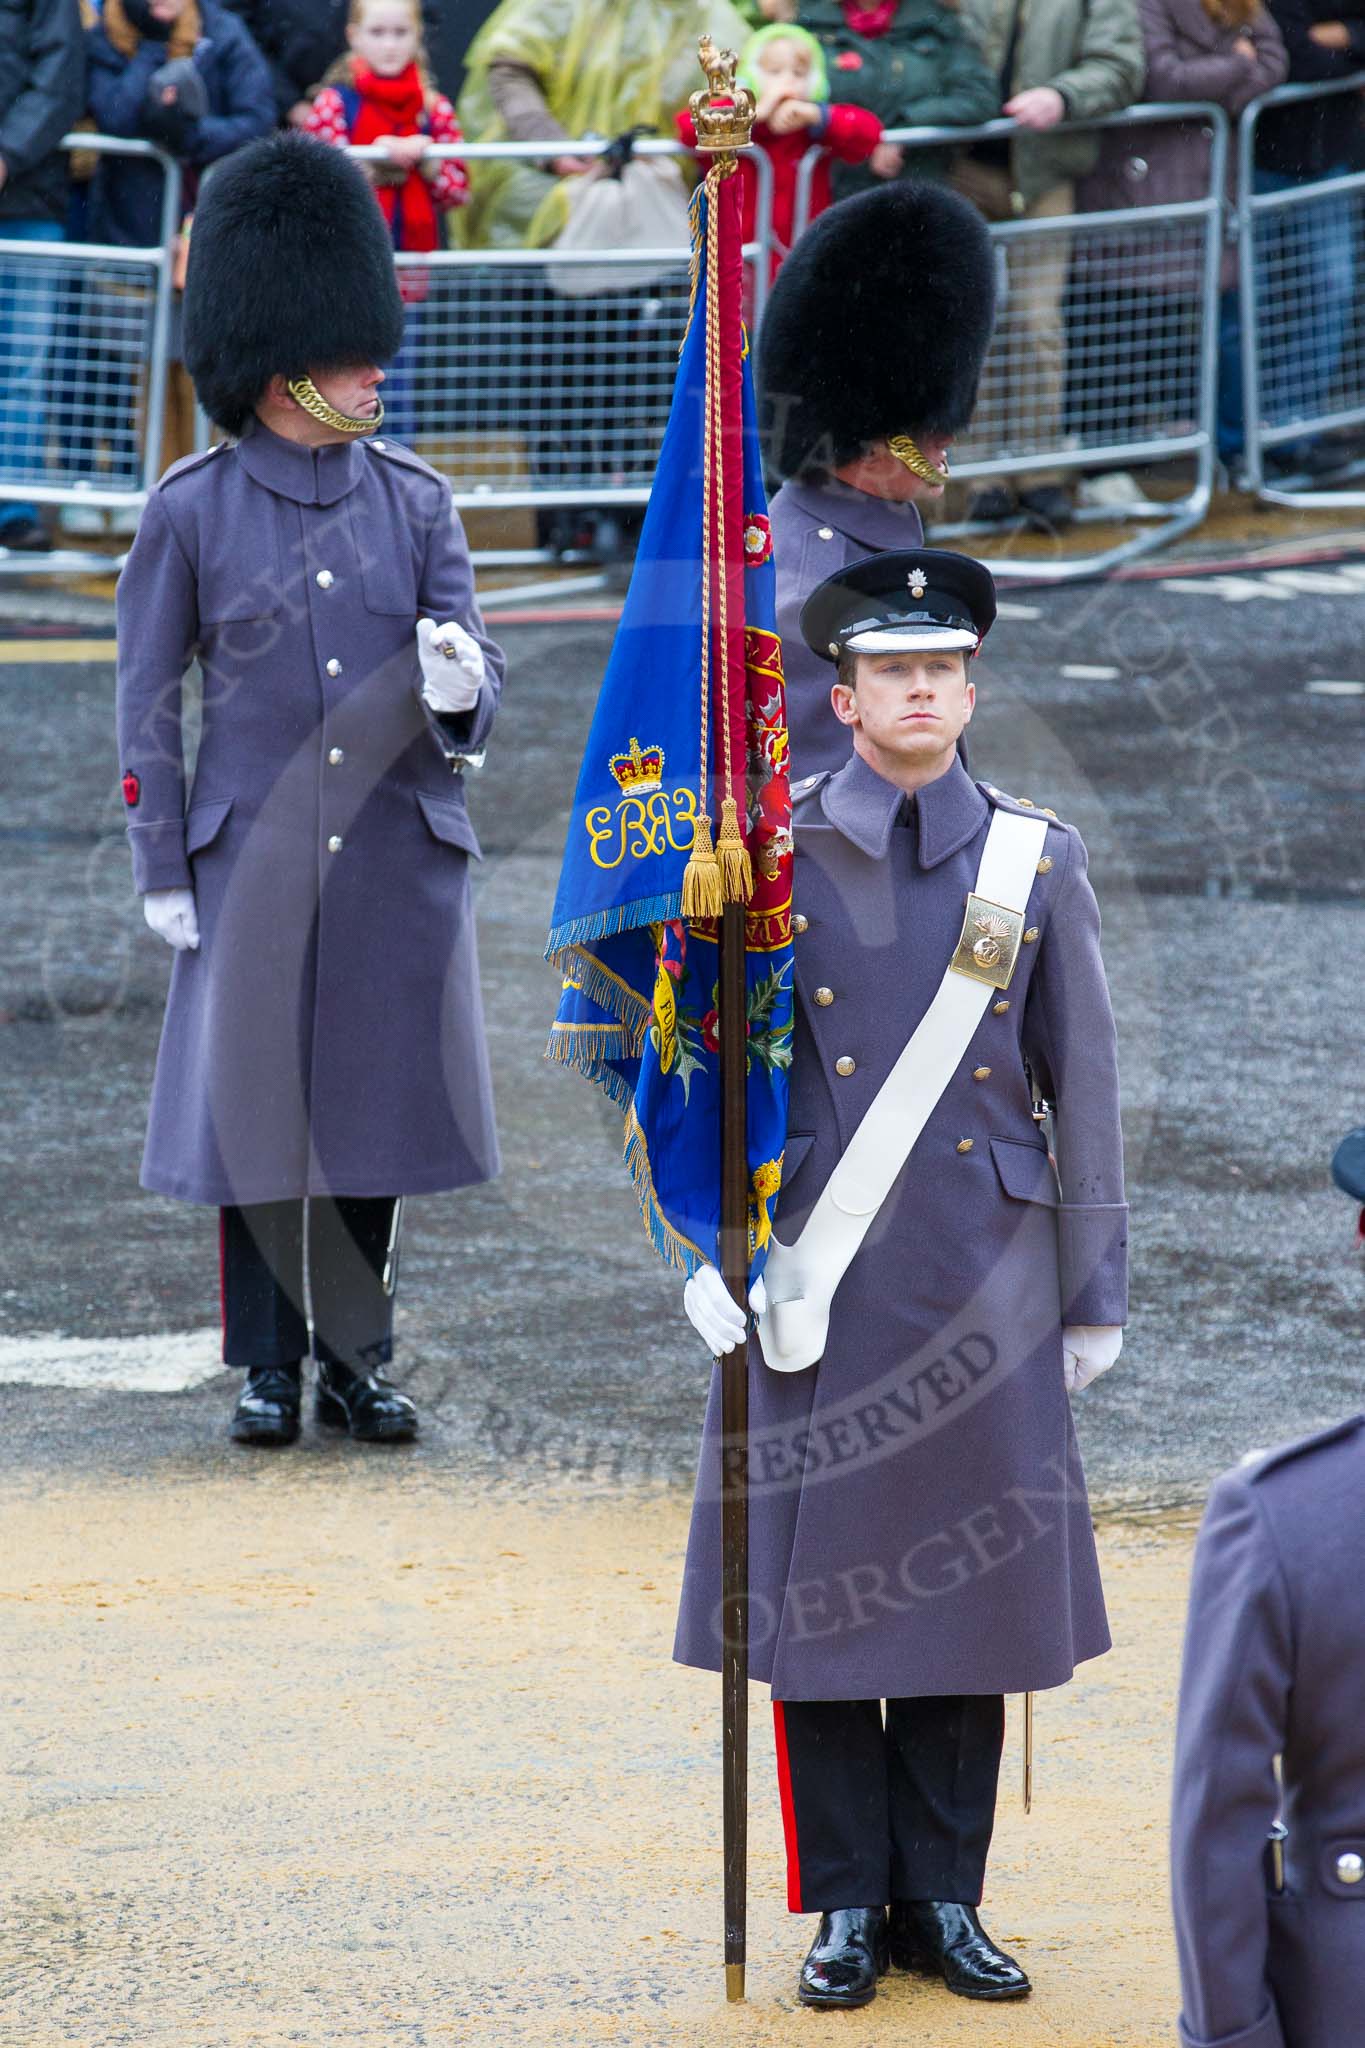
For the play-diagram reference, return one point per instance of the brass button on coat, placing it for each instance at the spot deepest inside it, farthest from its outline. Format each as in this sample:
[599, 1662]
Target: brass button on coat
[1030, 935]
[1045, 864]
[325, 579]
[334, 667]
[1000, 1009]
[334, 843]
[845, 1065]
[799, 923]
[981, 1074]
[336, 757]
[826, 533]
[824, 997]
[965, 1144]
[1350, 1867]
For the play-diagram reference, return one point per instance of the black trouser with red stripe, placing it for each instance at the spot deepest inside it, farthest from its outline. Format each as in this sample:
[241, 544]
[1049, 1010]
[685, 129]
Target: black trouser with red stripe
[879, 1810]
[265, 1317]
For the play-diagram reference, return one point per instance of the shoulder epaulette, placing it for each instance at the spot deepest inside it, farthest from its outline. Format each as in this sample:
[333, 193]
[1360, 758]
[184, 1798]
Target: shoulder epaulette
[1004, 802]
[394, 451]
[1261, 1462]
[189, 463]
[808, 785]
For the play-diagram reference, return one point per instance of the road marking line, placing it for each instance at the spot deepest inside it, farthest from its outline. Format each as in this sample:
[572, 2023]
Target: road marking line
[1326, 687]
[1006, 608]
[1083, 672]
[116, 1365]
[58, 650]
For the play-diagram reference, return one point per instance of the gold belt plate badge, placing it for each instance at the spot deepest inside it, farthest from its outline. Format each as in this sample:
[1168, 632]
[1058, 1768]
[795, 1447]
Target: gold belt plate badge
[990, 941]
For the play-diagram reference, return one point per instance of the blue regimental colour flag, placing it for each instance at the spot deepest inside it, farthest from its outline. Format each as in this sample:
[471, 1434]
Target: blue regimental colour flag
[691, 712]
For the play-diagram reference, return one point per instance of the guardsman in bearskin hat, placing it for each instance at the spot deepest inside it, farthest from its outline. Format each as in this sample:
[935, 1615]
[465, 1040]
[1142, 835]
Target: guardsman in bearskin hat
[938, 1283]
[323, 1051]
[868, 362]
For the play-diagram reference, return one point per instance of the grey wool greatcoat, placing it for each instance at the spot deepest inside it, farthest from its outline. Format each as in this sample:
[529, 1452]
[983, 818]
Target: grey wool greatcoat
[818, 528]
[918, 1513]
[327, 1037]
[1275, 1666]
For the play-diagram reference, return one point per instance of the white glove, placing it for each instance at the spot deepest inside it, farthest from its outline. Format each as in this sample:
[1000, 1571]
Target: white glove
[172, 916]
[1088, 1349]
[712, 1311]
[452, 666]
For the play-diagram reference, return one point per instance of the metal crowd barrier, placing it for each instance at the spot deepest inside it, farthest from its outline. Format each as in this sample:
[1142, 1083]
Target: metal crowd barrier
[1301, 286]
[1139, 376]
[85, 341]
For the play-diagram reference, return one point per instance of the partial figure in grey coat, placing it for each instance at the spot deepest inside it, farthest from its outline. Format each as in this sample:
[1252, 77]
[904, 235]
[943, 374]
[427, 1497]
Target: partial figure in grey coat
[919, 1531]
[1268, 1862]
[324, 1038]
[868, 359]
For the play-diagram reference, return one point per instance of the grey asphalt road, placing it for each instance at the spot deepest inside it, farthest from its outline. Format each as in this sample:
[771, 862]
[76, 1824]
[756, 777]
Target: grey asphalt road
[1220, 792]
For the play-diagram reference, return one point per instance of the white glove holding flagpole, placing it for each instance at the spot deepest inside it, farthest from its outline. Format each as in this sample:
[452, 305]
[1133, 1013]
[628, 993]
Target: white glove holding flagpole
[1088, 1349]
[713, 1312]
[173, 917]
[452, 665]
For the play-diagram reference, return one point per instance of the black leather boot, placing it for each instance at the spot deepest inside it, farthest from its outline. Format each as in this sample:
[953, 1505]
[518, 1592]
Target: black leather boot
[939, 1938]
[365, 1404]
[846, 1958]
[267, 1410]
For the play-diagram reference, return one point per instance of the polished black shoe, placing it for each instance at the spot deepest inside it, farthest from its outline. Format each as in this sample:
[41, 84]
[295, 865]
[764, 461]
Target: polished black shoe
[846, 1958]
[938, 1938]
[1047, 508]
[365, 1404]
[267, 1410]
[992, 505]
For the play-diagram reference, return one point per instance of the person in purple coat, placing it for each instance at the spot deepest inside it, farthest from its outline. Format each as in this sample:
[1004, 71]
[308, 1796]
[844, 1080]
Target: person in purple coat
[1267, 1858]
[323, 1051]
[868, 361]
[919, 1528]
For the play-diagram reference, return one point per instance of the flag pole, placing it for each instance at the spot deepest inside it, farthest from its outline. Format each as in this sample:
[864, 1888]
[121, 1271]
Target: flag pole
[723, 116]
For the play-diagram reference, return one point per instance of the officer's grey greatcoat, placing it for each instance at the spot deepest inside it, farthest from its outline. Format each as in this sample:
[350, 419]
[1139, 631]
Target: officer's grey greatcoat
[1275, 1666]
[919, 1521]
[327, 1037]
[818, 529]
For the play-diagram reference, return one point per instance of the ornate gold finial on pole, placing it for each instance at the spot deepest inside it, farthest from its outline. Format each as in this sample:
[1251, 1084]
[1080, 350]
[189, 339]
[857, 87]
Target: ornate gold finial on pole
[723, 114]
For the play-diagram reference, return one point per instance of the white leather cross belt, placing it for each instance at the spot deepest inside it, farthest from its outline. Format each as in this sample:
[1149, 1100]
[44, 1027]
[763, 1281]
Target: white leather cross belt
[801, 1278]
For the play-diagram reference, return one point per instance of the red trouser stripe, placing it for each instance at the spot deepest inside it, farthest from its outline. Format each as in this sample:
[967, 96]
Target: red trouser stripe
[784, 1793]
[222, 1275]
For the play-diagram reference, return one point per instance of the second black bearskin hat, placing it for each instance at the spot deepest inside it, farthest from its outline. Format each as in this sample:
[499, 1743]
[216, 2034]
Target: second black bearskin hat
[290, 270]
[877, 324]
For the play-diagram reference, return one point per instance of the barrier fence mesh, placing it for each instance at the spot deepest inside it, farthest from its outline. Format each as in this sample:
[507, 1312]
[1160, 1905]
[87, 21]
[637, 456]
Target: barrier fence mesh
[1310, 273]
[75, 346]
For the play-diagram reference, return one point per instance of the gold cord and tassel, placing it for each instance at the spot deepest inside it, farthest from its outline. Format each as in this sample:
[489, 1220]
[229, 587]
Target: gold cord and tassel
[702, 887]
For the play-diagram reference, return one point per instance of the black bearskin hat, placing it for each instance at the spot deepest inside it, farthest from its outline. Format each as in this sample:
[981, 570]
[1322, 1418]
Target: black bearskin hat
[877, 325]
[291, 270]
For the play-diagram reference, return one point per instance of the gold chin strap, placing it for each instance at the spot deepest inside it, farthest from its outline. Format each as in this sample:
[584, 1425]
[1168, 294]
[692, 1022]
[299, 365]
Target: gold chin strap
[904, 450]
[305, 393]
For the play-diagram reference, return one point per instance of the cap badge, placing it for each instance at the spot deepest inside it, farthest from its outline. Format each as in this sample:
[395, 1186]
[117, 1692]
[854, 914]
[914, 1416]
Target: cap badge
[916, 581]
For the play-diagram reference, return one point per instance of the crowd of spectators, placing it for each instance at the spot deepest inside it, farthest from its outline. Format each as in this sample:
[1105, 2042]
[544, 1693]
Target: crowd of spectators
[198, 78]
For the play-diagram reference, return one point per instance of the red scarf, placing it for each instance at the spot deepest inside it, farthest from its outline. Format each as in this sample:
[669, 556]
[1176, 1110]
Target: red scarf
[869, 21]
[395, 106]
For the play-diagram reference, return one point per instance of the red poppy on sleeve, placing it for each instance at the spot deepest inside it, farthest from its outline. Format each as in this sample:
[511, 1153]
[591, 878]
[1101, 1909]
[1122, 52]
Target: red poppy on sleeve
[132, 789]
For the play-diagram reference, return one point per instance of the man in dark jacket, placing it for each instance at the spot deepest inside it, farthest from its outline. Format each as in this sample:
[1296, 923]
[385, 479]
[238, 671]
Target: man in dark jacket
[183, 74]
[1270, 1918]
[42, 93]
[301, 39]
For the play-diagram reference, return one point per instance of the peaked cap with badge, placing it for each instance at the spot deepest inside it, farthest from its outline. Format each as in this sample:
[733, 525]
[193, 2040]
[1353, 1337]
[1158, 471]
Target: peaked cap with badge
[922, 599]
[291, 270]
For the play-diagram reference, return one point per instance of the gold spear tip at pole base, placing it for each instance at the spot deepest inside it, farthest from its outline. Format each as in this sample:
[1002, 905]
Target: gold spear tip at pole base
[734, 1983]
[722, 114]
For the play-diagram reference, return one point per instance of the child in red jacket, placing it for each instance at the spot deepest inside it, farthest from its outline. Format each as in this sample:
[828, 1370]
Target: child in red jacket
[784, 68]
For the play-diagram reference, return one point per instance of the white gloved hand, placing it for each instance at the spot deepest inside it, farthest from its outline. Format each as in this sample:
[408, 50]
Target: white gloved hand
[712, 1311]
[1088, 1349]
[173, 917]
[450, 681]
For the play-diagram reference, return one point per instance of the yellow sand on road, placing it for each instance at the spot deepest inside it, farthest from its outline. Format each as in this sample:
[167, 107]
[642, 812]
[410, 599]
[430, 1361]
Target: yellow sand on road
[323, 1752]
